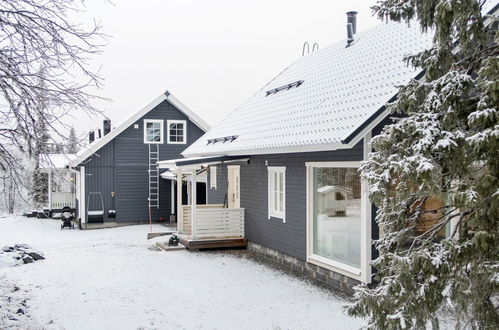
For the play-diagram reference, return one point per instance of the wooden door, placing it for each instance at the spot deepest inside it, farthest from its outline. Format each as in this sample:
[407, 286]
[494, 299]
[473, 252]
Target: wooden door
[233, 195]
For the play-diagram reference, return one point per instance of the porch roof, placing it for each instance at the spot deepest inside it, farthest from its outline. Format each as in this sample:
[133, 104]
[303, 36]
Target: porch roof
[192, 162]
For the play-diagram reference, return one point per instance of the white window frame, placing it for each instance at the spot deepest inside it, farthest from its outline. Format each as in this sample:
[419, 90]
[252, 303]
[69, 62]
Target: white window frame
[363, 273]
[184, 136]
[213, 177]
[162, 131]
[270, 193]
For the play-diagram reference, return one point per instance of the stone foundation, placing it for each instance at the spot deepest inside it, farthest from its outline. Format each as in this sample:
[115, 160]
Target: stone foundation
[304, 269]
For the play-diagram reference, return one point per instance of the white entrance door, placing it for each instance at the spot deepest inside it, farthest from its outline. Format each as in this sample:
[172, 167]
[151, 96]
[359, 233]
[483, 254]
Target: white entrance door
[233, 189]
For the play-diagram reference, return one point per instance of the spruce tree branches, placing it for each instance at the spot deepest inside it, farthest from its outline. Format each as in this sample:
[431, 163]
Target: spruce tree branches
[443, 146]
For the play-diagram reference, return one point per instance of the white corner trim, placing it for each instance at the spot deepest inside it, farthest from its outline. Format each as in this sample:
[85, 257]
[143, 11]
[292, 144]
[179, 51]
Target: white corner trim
[83, 208]
[184, 136]
[366, 220]
[162, 130]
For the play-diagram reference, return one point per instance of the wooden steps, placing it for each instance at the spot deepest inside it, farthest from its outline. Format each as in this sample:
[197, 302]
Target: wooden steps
[164, 246]
[152, 235]
[195, 244]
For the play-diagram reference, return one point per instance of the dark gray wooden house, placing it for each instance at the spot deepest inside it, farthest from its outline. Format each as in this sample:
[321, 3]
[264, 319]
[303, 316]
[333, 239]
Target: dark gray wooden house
[283, 167]
[116, 178]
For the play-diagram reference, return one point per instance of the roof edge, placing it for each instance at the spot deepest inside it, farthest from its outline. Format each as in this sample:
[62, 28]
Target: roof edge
[166, 96]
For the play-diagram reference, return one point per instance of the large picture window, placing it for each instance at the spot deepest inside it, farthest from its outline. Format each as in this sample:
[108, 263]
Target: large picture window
[336, 216]
[153, 131]
[177, 131]
[277, 192]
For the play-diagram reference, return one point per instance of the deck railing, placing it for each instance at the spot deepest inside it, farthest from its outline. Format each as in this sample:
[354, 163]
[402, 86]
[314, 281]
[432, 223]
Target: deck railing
[213, 221]
[60, 199]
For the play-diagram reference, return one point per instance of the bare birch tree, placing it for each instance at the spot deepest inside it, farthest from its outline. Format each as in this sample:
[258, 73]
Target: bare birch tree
[45, 73]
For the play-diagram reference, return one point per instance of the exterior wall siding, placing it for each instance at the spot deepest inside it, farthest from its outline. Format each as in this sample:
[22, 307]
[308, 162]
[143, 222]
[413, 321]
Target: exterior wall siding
[285, 243]
[121, 166]
[217, 196]
[290, 237]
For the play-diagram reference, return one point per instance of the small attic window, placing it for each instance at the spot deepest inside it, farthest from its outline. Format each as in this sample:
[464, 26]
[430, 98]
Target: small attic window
[285, 87]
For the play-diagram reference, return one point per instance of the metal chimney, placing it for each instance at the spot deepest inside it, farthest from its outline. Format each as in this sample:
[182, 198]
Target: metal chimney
[106, 126]
[91, 136]
[349, 34]
[352, 19]
[351, 26]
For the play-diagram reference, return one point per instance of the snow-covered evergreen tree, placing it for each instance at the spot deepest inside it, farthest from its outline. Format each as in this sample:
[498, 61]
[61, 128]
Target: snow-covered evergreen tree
[445, 148]
[39, 182]
[72, 146]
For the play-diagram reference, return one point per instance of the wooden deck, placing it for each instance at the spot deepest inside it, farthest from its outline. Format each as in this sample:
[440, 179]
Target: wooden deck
[214, 243]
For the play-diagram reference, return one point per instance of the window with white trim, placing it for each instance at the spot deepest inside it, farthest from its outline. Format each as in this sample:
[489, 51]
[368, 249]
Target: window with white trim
[213, 177]
[177, 131]
[338, 218]
[277, 192]
[153, 131]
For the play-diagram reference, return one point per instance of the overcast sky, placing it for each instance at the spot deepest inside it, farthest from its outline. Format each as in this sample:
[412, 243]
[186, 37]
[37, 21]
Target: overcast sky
[212, 55]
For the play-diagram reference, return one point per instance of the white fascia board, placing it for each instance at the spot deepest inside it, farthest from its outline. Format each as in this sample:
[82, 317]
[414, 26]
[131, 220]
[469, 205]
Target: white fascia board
[368, 129]
[94, 147]
[189, 113]
[298, 149]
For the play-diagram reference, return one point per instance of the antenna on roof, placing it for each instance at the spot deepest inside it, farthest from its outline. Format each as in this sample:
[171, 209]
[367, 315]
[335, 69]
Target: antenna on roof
[306, 46]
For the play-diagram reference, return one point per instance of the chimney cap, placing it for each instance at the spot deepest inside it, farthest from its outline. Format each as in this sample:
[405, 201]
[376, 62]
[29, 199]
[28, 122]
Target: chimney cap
[352, 13]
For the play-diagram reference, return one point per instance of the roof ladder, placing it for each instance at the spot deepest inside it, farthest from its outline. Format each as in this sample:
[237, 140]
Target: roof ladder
[153, 175]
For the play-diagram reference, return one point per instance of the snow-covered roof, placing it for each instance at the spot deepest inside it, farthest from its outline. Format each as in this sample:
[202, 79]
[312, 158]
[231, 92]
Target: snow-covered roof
[93, 147]
[341, 89]
[490, 6]
[56, 161]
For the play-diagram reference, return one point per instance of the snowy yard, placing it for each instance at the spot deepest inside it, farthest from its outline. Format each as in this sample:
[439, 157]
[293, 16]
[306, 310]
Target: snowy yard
[109, 279]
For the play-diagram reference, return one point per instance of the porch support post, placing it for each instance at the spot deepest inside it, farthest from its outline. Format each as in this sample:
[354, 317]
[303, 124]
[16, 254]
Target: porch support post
[49, 192]
[366, 221]
[180, 220]
[193, 203]
[172, 197]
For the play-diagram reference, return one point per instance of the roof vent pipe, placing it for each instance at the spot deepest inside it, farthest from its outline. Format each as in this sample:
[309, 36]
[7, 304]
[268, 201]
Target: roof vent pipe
[352, 19]
[99, 133]
[91, 136]
[349, 34]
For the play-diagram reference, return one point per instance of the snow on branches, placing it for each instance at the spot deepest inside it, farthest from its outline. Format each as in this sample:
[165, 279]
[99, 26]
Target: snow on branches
[434, 177]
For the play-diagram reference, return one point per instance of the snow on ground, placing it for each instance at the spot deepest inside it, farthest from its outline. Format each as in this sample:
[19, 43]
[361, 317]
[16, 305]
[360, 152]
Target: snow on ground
[109, 279]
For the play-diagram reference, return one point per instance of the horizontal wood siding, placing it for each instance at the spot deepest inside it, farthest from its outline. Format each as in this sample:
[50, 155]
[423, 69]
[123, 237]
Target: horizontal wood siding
[290, 237]
[99, 177]
[217, 196]
[122, 166]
